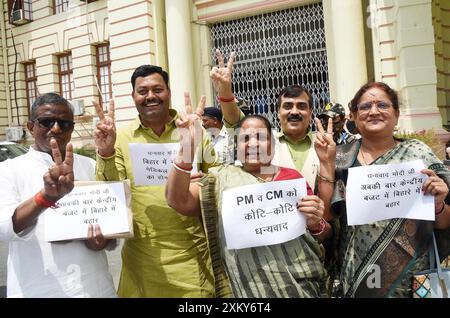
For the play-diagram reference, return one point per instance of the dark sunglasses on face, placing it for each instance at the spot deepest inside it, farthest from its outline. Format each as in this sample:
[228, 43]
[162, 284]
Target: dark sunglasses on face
[48, 123]
[366, 107]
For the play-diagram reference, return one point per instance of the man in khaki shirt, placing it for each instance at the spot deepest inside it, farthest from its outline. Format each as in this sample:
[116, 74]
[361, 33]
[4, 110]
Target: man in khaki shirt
[168, 256]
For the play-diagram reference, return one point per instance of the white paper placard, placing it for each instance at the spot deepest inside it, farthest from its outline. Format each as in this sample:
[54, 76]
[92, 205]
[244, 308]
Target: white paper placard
[152, 162]
[382, 192]
[97, 203]
[263, 214]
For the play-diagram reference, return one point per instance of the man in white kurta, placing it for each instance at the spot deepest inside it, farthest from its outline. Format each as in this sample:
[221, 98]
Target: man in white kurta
[37, 268]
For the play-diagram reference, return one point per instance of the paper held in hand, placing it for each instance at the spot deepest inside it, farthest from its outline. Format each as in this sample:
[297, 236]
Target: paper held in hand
[263, 214]
[383, 192]
[91, 202]
[152, 162]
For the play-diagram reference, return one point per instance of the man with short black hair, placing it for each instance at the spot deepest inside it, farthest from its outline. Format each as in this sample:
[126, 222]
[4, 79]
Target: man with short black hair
[31, 184]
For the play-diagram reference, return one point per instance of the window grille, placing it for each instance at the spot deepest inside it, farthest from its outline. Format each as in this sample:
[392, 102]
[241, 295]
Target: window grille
[61, 6]
[275, 50]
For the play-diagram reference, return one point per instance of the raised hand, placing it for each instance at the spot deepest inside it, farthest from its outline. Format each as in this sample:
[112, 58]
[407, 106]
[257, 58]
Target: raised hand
[190, 128]
[97, 241]
[221, 75]
[324, 144]
[105, 130]
[58, 180]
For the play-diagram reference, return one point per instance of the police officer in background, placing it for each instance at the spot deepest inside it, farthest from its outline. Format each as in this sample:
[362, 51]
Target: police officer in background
[336, 112]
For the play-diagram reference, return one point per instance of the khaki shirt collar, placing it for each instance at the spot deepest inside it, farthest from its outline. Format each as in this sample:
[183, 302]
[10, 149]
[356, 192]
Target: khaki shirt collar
[282, 136]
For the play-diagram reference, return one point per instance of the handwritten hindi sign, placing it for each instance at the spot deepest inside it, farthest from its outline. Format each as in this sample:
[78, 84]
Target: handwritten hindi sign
[263, 214]
[103, 203]
[152, 162]
[382, 192]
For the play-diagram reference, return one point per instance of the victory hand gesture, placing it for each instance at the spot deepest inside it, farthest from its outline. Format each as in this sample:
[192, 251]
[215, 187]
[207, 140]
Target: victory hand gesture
[58, 180]
[190, 128]
[324, 144]
[95, 240]
[105, 130]
[221, 75]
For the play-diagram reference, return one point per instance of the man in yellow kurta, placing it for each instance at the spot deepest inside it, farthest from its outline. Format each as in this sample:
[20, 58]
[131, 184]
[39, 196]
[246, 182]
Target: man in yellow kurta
[168, 256]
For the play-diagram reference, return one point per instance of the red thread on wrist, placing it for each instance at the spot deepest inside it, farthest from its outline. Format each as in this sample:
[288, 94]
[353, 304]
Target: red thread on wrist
[225, 100]
[42, 201]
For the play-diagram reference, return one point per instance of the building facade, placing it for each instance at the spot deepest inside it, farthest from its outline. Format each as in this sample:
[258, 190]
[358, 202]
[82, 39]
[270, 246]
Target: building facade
[87, 50]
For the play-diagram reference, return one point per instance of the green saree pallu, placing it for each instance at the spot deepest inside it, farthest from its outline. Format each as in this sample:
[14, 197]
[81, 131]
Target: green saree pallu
[287, 270]
[379, 259]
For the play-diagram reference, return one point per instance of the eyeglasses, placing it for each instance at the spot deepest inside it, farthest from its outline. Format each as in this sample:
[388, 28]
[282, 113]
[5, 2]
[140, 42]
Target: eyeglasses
[366, 107]
[48, 123]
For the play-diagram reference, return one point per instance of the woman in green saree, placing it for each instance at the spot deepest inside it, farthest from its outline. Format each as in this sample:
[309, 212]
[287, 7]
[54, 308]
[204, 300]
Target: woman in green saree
[291, 269]
[392, 249]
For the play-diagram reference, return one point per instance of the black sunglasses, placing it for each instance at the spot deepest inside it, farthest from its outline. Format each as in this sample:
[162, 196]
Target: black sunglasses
[48, 123]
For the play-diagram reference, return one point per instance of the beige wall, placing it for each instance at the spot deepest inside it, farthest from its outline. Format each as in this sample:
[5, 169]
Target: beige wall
[212, 11]
[5, 115]
[132, 41]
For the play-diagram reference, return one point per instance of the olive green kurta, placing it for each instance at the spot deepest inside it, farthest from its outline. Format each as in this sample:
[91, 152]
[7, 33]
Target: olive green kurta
[168, 256]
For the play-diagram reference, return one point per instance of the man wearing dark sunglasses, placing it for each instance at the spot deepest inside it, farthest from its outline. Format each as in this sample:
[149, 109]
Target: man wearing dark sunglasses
[31, 184]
